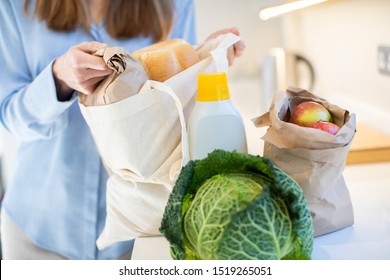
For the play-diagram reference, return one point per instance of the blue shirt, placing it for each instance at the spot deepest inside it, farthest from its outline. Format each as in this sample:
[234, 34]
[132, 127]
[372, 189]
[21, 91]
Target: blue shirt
[57, 192]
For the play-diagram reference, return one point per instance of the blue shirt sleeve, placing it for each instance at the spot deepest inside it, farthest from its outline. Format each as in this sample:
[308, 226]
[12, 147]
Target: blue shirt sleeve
[29, 106]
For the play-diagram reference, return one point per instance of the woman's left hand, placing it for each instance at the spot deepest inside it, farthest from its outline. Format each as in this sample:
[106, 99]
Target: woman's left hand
[234, 51]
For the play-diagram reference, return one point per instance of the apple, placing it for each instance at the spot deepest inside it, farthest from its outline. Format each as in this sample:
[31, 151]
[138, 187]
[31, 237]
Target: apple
[309, 112]
[332, 128]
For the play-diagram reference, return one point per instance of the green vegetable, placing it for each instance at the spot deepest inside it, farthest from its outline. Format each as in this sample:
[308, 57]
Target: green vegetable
[237, 206]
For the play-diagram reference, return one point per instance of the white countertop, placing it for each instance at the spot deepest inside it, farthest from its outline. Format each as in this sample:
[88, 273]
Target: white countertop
[368, 238]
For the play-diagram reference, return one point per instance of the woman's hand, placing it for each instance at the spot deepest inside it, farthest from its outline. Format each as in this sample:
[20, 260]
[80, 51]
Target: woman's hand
[79, 70]
[234, 51]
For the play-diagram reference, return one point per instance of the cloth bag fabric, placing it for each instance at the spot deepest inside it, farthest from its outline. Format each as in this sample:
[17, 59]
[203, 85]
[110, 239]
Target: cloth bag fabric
[142, 141]
[314, 158]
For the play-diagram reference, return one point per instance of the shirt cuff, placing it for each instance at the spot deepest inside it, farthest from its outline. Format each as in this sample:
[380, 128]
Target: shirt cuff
[41, 96]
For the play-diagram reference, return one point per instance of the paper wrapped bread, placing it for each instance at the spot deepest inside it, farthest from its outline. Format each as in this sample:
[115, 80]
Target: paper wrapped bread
[126, 79]
[165, 59]
[157, 62]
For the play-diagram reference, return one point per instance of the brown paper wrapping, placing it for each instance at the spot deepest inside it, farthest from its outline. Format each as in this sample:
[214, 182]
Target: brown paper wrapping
[128, 73]
[314, 158]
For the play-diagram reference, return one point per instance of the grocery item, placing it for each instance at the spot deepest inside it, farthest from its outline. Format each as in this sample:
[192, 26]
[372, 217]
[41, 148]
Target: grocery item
[157, 62]
[237, 206]
[127, 78]
[314, 158]
[315, 115]
[167, 58]
[215, 123]
[308, 113]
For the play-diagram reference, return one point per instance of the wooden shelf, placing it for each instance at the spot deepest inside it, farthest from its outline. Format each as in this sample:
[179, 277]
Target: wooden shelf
[369, 145]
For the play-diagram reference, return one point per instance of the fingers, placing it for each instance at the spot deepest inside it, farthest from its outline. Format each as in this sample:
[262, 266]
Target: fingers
[230, 56]
[87, 61]
[85, 79]
[82, 78]
[81, 56]
[79, 70]
[233, 30]
[89, 86]
[92, 73]
[91, 47]
[239, 48]
[235, 51]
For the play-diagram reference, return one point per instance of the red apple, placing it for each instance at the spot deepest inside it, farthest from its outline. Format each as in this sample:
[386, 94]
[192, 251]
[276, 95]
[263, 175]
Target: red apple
[332, 128]
[308, 113]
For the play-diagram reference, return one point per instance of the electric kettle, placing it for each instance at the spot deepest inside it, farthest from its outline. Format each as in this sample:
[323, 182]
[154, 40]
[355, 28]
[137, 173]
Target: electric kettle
[281, 69]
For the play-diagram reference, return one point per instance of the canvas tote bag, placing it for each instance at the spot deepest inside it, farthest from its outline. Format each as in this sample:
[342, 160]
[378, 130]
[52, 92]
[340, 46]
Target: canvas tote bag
[142, 141]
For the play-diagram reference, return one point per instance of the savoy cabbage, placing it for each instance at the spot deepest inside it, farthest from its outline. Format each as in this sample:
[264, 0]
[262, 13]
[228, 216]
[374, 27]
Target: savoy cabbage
[237, 206]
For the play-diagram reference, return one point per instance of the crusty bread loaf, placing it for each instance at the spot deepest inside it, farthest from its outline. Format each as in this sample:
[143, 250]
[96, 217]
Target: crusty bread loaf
[166, 59]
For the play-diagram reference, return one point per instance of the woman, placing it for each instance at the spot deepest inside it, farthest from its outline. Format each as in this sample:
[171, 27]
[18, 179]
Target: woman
[54, 207]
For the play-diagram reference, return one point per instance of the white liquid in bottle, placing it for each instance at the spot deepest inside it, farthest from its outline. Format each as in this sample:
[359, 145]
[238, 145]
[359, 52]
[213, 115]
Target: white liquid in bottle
[215, 123]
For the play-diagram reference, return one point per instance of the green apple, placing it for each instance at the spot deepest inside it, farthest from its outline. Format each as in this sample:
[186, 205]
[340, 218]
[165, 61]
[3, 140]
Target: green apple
[309, 112]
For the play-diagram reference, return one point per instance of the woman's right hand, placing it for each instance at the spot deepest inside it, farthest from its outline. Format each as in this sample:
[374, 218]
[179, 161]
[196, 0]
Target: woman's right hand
[78, 69]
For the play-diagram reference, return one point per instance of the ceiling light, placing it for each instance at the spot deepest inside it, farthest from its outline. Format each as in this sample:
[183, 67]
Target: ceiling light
[274, 11]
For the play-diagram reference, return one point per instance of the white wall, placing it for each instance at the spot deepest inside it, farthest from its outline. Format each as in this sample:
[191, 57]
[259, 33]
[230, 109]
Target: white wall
[341, 39]
[259, 36]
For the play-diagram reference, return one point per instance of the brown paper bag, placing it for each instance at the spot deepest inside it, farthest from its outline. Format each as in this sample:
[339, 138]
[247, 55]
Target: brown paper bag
[314, 158]
[128, 73]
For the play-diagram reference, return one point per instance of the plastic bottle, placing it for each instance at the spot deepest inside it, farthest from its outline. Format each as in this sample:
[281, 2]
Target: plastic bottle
[215, 123]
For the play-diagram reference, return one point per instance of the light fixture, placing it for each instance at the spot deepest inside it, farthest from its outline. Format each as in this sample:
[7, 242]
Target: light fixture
[274, 11]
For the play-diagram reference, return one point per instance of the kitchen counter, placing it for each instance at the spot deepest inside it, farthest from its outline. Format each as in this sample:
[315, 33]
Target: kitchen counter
[368, 184]
[368, 238]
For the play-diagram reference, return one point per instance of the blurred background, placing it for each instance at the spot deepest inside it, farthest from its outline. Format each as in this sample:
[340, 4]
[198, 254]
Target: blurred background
[337, 49]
